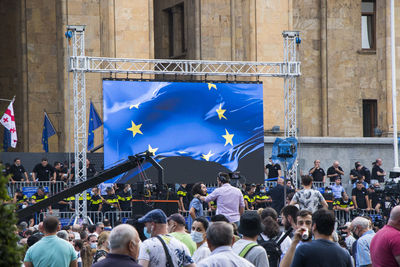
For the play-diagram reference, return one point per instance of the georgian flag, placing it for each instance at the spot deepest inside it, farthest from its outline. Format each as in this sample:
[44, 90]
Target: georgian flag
[8, 121]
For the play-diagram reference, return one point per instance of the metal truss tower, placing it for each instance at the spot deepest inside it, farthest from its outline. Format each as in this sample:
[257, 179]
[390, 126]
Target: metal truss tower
[291, 41]
[79, 65]
[80, 133]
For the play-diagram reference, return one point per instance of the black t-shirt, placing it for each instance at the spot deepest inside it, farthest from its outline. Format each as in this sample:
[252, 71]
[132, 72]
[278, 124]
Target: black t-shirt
[375, 199]
[331, 170]
[43, 173]
[273, 170]
[321, 252]
[277, 195]
[360, 197]
[17, 172]
[356, 173]
[318, 174]
[375, 170]
[366, 173]
[90, 171]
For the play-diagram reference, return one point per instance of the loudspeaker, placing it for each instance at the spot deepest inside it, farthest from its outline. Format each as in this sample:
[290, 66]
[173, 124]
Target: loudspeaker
[142, 207]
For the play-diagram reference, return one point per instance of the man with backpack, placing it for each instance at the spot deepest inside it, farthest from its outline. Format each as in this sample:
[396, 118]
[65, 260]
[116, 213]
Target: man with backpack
[247, 247]
[272, 239]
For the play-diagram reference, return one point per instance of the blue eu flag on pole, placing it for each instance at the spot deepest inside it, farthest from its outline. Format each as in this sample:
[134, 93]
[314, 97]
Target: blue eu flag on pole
[48, 131]
[219, 122]
[94, 123]
[6, 139]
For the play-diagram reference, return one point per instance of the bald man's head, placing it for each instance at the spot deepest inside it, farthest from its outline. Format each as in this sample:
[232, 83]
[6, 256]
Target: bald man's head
[395, 215]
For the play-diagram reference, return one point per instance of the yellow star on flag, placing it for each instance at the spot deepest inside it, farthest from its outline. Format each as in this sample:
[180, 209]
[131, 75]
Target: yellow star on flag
[221, 112]
[152, 150]
[211, 85]
[135, 129]
[134, 106]
[208, 156]
[228, 138]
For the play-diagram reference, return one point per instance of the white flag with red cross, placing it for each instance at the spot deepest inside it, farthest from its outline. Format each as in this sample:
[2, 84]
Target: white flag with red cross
[8, 121]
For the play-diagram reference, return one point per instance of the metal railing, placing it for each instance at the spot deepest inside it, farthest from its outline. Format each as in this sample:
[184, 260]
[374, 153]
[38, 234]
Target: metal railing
[30, 188]
[66, 218]
[116, 217]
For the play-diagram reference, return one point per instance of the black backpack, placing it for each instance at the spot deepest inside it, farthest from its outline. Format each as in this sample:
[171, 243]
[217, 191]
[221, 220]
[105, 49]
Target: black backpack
[273, 247]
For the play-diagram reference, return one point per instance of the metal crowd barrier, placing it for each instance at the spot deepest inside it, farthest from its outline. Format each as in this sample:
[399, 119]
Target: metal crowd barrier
[66, 217]
[30, 188]
[117, 216]
[343, 216]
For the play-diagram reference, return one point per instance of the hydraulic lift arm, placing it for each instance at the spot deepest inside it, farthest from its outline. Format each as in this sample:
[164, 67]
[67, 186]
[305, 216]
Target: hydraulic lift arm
[131, 163]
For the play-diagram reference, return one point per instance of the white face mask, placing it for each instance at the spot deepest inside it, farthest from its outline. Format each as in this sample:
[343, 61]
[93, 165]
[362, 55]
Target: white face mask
[93, 245]
[197, 237]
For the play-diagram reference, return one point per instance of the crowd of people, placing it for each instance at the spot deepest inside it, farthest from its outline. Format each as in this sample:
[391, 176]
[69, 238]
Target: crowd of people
[303, 233]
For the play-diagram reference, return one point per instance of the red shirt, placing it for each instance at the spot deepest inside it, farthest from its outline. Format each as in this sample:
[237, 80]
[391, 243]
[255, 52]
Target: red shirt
[385, 246]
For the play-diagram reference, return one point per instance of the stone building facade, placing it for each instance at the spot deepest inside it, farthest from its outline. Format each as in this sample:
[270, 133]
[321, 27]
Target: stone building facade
[344, 90]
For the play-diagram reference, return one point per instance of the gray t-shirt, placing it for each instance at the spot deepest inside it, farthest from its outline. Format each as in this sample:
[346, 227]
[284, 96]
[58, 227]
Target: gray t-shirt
[308, 199]
[257, 255]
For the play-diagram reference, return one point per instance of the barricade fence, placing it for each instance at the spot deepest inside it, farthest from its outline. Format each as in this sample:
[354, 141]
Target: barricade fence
[117, 217]
[68, 217]
[30, 188]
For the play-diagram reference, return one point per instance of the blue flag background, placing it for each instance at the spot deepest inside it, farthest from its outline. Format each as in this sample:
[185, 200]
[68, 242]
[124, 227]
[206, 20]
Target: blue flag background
[94, 123]
[48, 131]
[212, 122]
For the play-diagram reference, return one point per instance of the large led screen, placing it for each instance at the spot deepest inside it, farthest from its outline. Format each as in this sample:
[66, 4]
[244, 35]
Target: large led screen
[193, 129]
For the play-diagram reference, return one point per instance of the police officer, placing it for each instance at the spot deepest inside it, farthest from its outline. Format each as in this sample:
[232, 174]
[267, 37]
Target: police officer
[125, 197]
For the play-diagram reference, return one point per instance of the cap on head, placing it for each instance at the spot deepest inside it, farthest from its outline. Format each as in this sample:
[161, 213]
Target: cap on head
[156, 216]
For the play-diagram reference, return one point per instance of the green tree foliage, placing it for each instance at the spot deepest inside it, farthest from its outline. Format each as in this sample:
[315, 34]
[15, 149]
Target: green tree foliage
[10, 252]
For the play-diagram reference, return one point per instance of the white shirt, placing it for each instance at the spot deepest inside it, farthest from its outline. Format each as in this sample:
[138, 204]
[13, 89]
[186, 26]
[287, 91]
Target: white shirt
[201, 253]
[152, 250]
[285, 245]
[224, 257]
[257, 255]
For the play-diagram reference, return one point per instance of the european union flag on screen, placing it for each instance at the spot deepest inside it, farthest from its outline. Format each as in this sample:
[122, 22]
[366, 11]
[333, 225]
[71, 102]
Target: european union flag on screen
[219, 122]
[48, 131]
[94, 123]
[6, 139]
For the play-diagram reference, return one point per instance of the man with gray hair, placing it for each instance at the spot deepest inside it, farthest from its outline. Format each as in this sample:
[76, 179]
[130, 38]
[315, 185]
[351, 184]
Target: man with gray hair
[361, 228]
[124, 247]
[219, 239]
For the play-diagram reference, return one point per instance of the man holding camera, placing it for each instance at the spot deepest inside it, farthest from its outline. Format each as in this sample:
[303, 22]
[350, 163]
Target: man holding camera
[230, 199]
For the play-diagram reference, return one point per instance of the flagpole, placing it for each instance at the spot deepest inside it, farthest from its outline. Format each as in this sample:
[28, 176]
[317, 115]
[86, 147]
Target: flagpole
[7, 100]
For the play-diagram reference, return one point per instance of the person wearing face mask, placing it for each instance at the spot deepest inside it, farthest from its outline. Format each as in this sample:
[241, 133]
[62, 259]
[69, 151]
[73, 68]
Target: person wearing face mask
[262, 199]
[124, 247]
[161, 248]
[176, 228]
[361, 228]
[198, 234]
[102, 247]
